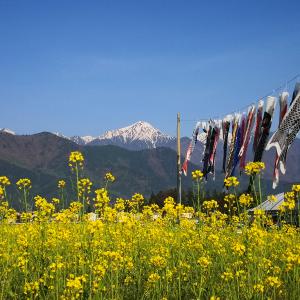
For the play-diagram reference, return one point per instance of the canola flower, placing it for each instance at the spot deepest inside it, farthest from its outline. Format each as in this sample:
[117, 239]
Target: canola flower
[254, 168]
[289, 203]
[129, 250]
[1, 192]
[210, 205]
[61, 184]
[24, 184]
[84, 189]
[231, 182]
[84, 186]
[109, 177]
[125, 257]
[76, 161]
[101, 201]
[272, 198]
[4, 181]
[245, 200]
[197, 175]
[296, 188]
[136, 202]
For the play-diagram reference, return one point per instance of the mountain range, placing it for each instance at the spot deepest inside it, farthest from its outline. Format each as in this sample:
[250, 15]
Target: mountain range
[141, 156]
[43, 158]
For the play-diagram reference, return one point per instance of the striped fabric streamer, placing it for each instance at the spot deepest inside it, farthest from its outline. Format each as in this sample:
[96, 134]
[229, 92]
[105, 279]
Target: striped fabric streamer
[207, 149]
[243, 127]
[212, 158]
[247, 135]
[235, 126]
[265, 128]
[237, 147]
[283, 109]
[258, 121]
[190, 148]
[225, 130]
[288, 129]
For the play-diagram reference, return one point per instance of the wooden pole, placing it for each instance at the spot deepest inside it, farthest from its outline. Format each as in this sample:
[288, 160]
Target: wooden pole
[178, 161]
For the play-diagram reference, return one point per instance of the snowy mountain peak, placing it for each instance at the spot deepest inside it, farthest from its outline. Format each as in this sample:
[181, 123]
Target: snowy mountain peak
[82, 140]
[6, 130]
[61, 135]
[140, 131]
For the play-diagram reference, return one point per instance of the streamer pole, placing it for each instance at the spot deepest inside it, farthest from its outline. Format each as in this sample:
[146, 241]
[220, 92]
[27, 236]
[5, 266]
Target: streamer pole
[178, 161]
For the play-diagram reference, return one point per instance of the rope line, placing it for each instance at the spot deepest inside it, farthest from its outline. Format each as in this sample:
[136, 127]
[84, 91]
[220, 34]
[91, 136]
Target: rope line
[274, 91]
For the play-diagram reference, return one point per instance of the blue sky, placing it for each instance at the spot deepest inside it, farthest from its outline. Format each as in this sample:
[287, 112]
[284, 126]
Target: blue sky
[83, 67]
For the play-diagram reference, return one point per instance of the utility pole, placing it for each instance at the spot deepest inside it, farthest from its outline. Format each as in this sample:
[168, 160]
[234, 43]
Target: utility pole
[178, 161]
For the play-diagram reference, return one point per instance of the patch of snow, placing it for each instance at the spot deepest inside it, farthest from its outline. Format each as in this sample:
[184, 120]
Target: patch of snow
[6, 130]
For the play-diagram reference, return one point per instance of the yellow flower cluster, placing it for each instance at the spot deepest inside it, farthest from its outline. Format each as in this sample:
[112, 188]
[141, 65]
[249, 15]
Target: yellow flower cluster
[74, 287]
[7, 214]
[239, 249]
[253, 168]
[272, 198]
[258, 288]
[210, 205]
[24, 183]
[136, 202]
[4, 181]
[1, 192]
[288, 203]
[61, 184]
[245, 200]
[76, 159]
[129, 250]
[273, 281]
[84, 186]
[158, 261]
[153, 278]
[109, 177]
[296, 188]
[230, 198]
[197, 175]
[231, 181]
[204, 261]
[32, 289]
[119, 204]
[55, 201]
[107, 258]
[45, 209]
[101, 200]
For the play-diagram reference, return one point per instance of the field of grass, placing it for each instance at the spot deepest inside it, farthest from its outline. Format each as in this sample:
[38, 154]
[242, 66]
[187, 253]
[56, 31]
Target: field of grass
[128, 250]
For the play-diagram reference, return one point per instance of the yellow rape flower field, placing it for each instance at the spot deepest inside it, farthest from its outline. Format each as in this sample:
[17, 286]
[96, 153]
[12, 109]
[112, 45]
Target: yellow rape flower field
[129, 250]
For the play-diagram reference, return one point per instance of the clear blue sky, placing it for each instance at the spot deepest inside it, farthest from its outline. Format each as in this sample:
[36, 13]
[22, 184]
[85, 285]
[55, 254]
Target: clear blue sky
[83, 67]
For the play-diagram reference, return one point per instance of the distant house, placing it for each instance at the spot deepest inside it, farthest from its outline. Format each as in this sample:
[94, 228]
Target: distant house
[272, 208]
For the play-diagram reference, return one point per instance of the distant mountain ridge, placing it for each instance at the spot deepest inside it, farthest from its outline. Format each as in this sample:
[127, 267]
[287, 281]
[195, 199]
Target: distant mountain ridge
[43, 158]
[138, 136]
[142, 135]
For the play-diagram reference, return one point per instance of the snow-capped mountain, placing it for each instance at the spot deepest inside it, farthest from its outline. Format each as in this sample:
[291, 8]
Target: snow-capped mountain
[140, 135]
[82, 140]
[6, 130]
[61, 135]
